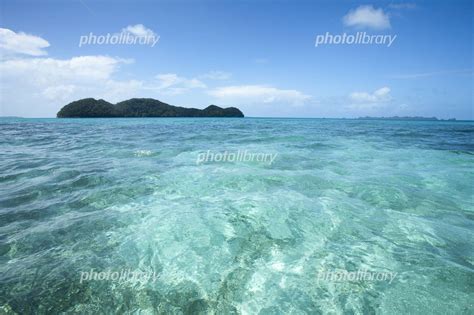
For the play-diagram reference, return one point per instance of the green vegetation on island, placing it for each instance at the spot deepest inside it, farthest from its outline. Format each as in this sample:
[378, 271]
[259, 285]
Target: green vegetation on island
[140, 107]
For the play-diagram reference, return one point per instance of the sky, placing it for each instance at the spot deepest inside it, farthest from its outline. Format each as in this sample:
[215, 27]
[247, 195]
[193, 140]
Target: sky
[268, 58]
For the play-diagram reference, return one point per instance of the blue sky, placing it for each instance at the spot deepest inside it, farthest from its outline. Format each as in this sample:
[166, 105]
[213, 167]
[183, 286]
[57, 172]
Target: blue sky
[257, 55]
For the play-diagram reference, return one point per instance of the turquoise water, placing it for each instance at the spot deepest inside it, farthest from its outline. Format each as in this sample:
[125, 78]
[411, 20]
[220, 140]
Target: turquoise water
[241, 237]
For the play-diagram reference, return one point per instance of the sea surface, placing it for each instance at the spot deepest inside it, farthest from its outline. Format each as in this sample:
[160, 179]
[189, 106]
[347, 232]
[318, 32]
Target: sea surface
[80, 198]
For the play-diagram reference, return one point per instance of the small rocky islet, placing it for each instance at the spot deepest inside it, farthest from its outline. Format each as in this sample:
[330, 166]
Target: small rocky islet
[140, 107]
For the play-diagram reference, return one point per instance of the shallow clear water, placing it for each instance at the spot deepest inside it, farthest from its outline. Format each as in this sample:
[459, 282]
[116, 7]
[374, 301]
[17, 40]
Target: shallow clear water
[236, 237]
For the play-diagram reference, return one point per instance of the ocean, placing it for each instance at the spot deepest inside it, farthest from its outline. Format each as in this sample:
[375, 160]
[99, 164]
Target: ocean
[236, 216]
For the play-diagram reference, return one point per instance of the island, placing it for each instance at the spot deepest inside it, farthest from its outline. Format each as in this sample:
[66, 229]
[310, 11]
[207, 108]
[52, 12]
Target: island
[414, 118]
[139, 107]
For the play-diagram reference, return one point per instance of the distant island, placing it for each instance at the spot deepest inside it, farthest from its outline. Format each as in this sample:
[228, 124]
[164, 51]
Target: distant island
[405, 118]
[139, 107]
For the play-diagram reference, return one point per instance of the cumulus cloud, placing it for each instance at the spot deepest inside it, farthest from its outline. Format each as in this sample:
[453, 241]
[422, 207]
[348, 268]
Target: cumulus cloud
[39, 86]
[365, 100]
[171, 83]
[258, 94]
[62, 92]
[49, 71]
[139, 30]
[366, 16]
[12, 43]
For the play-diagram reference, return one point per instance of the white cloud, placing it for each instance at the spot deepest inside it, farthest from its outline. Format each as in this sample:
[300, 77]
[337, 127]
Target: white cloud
[38, 87]
[139, 30]
[366, 16]
[377, 96]
[12, 43]
[171, 83]
[59, 91]
[216, 75]
[115, 90]
[258, 94]
[365, 100]
[50, 71]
